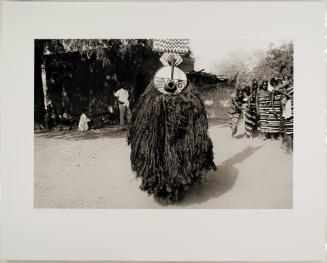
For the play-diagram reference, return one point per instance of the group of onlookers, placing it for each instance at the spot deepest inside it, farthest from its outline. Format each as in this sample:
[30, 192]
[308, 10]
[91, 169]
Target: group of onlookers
[65, 120]
[53, 119]
[267, 109]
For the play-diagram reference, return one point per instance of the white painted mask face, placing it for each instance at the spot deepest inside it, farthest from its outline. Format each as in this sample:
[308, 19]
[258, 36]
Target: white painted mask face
[164, 82]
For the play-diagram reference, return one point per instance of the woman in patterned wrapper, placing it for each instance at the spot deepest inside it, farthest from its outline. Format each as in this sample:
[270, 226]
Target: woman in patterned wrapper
[274, 116]
[285, 89]
[170, 146]
[263, 107]
[289, 118]
[235, 111]
[251, 111]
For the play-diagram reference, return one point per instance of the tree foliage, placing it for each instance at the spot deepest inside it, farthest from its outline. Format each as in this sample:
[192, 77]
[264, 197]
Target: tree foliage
[275, 62]
[84, 73]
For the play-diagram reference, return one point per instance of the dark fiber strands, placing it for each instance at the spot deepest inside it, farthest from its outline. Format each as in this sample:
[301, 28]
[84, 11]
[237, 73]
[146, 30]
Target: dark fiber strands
[170, 144]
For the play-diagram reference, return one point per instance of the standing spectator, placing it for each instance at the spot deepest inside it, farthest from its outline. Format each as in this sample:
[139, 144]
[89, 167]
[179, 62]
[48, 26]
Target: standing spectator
[289, 118]
[235, 111]
[274, 111]
[280, 88]
[124, 110]
[251, 113]
[254, 99]
[263, 106]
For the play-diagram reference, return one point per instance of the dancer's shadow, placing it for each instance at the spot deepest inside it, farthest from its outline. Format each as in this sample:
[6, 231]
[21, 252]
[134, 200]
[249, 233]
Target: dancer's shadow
[220, 181]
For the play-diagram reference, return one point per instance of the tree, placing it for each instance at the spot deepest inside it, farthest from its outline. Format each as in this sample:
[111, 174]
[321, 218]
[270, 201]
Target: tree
[240, 62]
[42, 47]
[262, 65]
[86, 72]
[277, 63]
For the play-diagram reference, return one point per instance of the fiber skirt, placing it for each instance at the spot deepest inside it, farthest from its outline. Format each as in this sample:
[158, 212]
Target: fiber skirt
[170, 145]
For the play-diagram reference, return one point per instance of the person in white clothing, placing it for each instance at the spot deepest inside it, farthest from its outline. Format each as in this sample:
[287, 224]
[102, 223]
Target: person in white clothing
[124, 110]
[83, 124]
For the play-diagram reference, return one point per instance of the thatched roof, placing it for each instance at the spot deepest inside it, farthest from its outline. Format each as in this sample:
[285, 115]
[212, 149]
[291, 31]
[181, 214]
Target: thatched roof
[202, 76]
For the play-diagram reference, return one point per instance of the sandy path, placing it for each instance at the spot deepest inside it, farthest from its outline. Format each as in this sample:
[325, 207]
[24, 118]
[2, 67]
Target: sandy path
[92, 170]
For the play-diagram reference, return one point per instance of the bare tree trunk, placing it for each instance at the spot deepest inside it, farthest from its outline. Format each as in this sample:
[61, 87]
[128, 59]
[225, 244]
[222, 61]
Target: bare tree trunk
[44, 85]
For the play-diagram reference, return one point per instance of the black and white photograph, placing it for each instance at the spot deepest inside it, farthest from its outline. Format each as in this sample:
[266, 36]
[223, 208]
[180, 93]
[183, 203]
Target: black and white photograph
[163, 131]
[163, 123]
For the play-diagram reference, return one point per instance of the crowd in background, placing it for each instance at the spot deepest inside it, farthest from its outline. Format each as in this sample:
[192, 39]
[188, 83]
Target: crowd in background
[65, 120]
[267, 110]
[53, 118]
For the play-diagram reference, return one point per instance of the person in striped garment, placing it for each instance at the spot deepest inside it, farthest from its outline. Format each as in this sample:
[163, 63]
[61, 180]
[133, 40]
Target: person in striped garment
[251, 110]
[235, 111]
[274, 115]
[289, 113]
[282, 88]
[263, 106]
[282, 122]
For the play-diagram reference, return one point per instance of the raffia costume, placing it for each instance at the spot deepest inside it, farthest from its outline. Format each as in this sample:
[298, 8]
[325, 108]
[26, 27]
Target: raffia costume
[168, 134]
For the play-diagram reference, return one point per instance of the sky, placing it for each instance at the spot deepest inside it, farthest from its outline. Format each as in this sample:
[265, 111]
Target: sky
[208, 53]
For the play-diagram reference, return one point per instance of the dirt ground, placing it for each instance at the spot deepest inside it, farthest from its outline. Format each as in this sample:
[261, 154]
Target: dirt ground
[92, 170]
